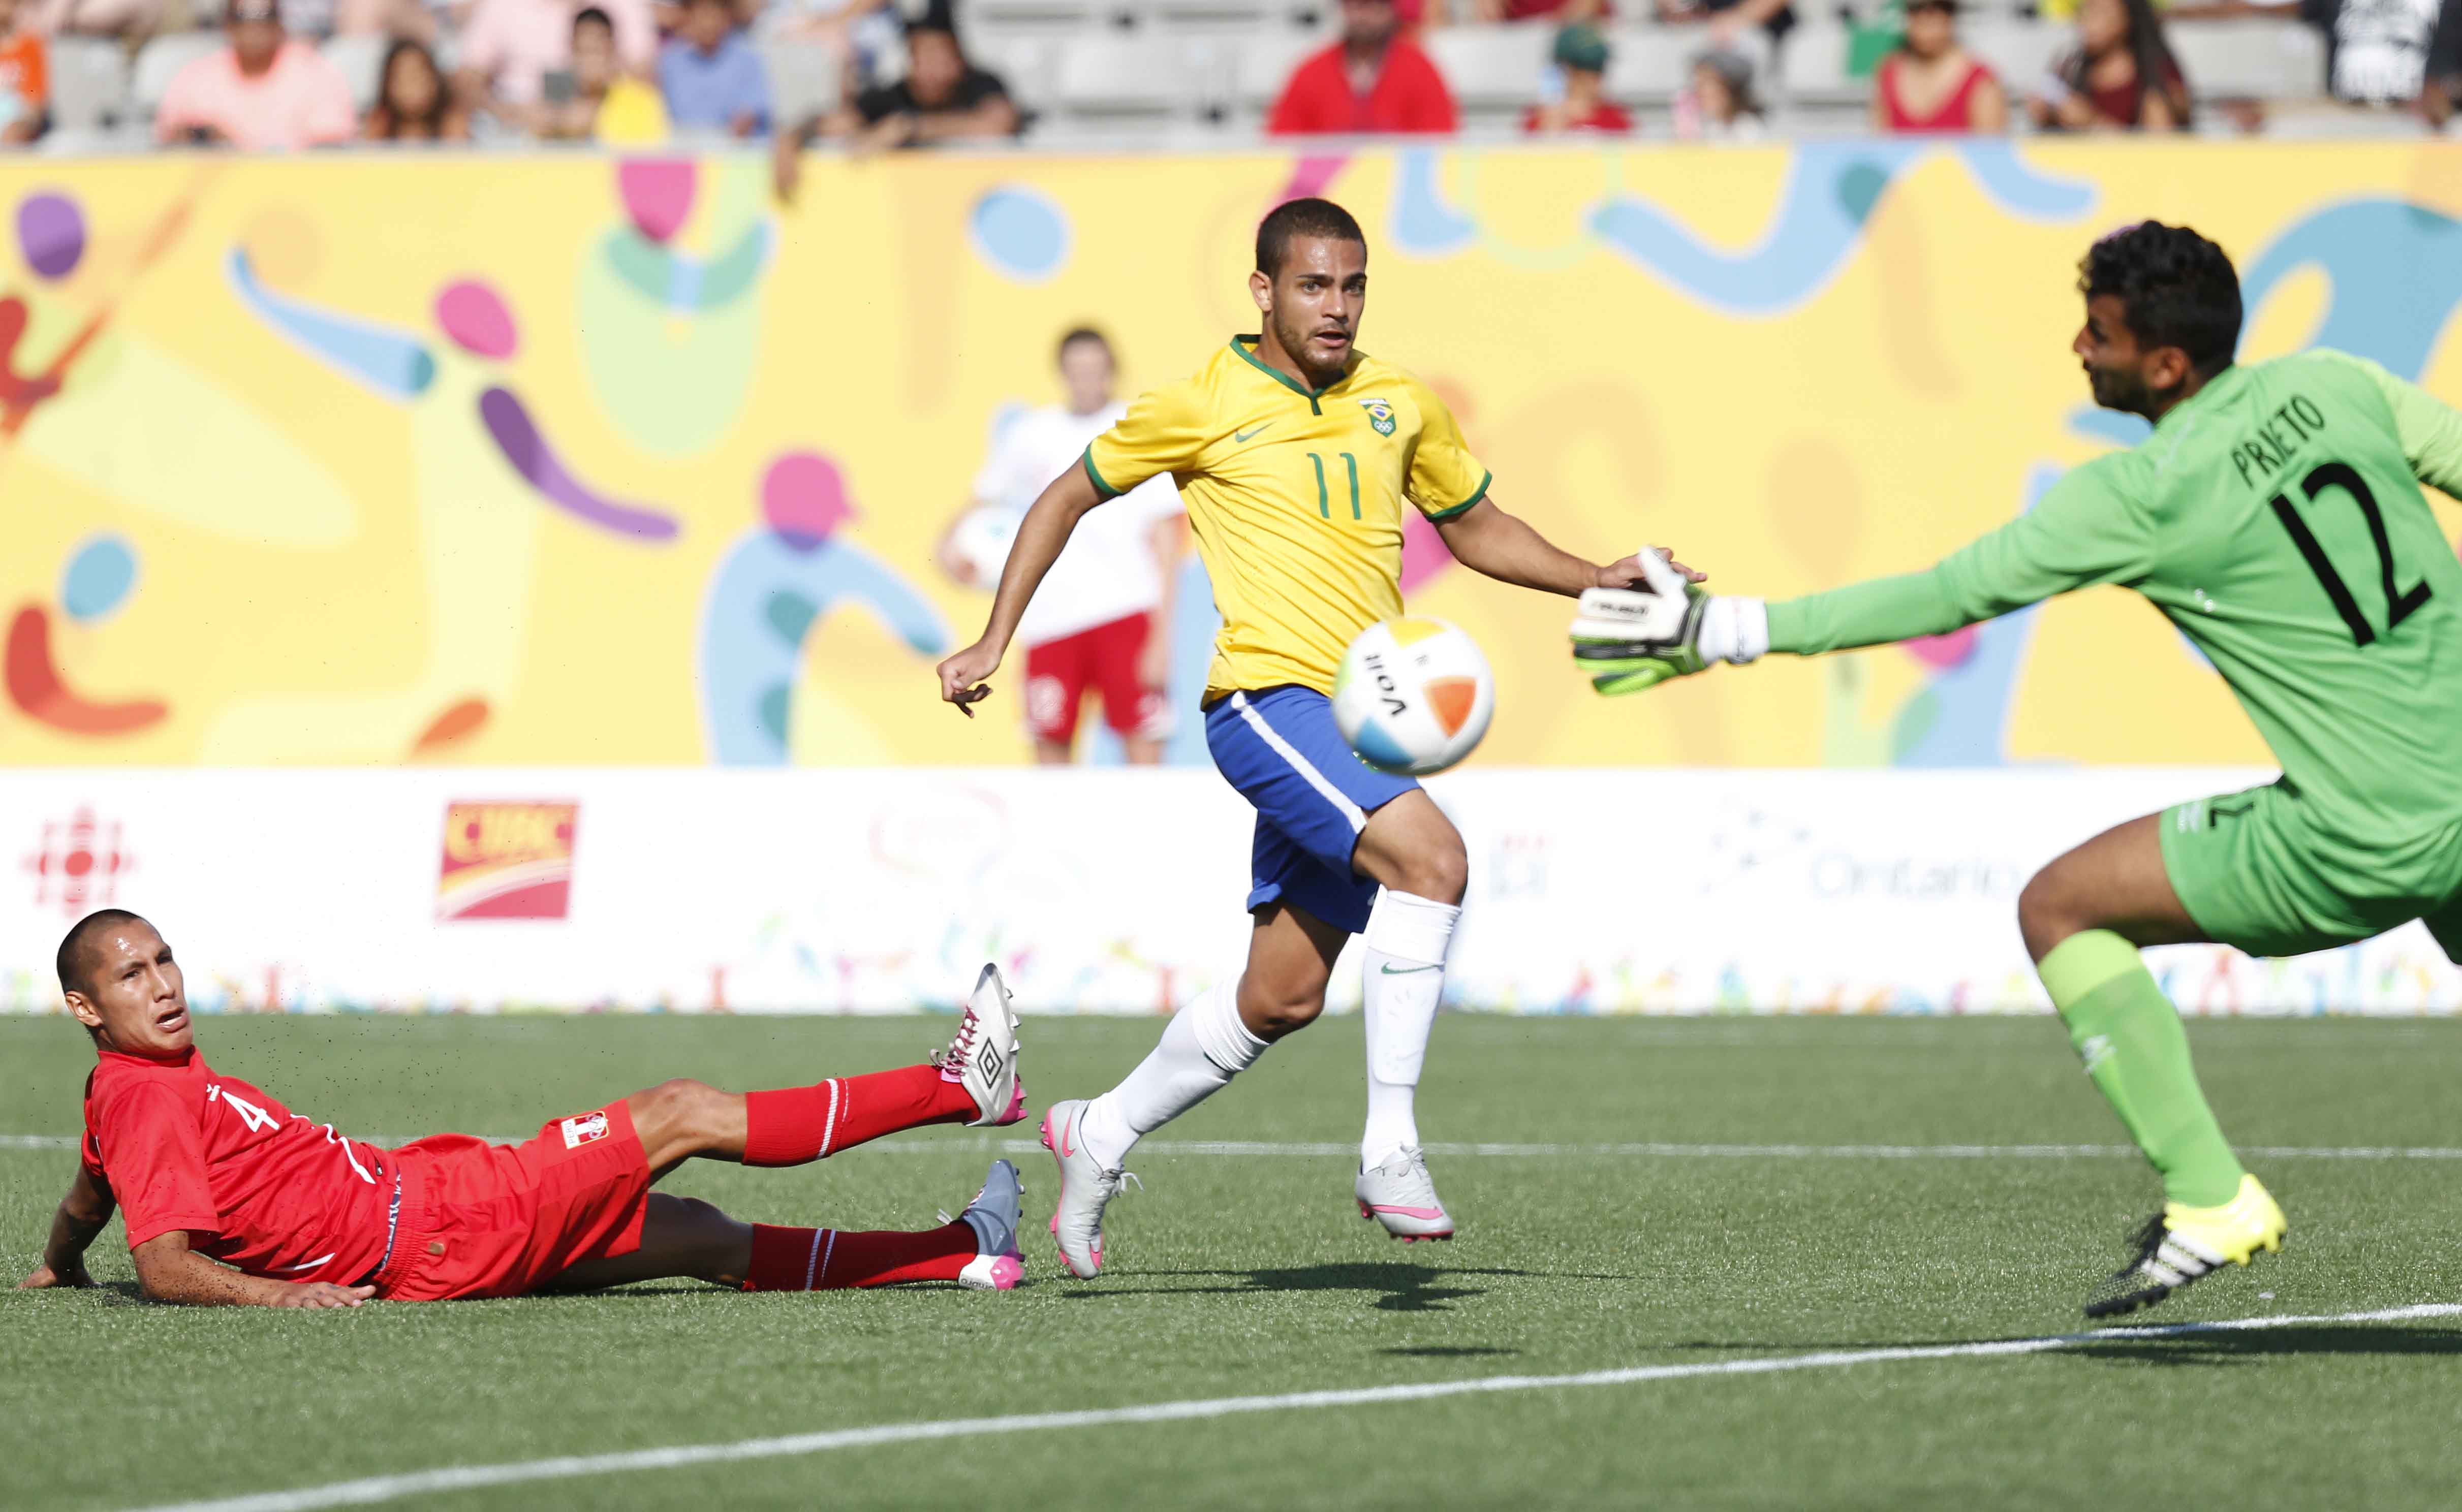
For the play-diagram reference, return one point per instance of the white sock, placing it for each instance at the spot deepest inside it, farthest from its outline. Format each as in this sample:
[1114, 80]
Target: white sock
[1404, 965]
[1203, 1048]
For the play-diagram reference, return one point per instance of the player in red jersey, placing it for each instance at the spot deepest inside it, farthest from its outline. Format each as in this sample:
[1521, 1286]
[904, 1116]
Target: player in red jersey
[230, 1197]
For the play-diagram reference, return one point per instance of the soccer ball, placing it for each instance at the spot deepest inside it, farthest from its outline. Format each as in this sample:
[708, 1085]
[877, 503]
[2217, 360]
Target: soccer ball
[982, 541]
[1413, 696]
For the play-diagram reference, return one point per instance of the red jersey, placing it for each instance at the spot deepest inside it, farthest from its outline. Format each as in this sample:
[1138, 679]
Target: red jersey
[1953, 113]
[253, 1183]
[1409, 95]
[1607, 116]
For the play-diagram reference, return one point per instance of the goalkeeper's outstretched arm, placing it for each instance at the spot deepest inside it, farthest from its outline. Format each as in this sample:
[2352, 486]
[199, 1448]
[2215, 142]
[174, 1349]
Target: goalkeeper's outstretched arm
[2084, 530]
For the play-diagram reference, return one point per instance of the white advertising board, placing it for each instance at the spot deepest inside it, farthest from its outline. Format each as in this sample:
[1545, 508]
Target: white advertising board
[1096, 890]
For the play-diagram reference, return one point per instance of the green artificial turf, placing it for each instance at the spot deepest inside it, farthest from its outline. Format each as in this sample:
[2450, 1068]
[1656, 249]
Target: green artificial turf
[1252, 1274]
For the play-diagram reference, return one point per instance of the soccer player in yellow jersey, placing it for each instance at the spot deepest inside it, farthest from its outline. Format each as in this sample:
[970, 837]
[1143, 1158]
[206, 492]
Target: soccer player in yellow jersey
[1296, 454]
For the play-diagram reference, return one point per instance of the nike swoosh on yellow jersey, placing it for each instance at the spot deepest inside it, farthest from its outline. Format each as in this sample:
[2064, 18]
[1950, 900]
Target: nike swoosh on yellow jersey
[1245, 436]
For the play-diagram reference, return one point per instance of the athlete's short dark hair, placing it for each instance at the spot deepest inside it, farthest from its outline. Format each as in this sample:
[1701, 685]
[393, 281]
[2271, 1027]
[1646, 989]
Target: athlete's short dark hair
[71, 962]
[1077, 333]
[1294, 218]
[2178, 290]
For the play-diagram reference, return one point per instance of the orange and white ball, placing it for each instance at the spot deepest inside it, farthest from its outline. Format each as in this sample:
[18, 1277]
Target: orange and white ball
[1413, 696]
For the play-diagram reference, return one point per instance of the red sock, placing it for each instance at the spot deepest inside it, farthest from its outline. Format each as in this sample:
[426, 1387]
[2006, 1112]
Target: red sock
[827, 1258]
[794, 1125]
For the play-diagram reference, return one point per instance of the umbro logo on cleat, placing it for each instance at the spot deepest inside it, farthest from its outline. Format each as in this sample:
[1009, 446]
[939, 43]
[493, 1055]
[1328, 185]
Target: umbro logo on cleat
[988, 1061]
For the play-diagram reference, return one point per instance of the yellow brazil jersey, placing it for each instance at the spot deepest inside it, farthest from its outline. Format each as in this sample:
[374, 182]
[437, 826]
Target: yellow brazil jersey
[1296, 496]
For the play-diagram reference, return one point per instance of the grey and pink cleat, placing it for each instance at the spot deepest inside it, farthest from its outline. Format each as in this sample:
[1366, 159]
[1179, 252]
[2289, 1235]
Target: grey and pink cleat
[1400, 1195]
[982, 1056]
[994, 1216]
[1086, 1189]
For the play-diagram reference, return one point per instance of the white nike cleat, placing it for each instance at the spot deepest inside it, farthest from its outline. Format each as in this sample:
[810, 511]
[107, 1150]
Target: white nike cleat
[1400, 1195]
[994, 1216]
[983, 1056]
[1086, 1189]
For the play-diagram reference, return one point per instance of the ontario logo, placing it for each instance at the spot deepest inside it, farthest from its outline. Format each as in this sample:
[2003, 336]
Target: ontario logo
[507, 860]
[1380, 415]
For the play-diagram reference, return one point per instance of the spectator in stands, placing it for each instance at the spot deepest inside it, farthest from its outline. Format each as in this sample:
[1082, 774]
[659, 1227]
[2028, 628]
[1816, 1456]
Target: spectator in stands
[1718, 104]
[2441, 91]
[597, 100]
[944, 98]
[118, 20]
[511, 47]
[25, 81]
[267, 92]
[1730, 19]
[414, 103]
[711, 76]
[399, 20]
[2121, 75]
[1488, 13]
[1581, 58]
[1373, 80]
[2380, 49]
[1931, 83]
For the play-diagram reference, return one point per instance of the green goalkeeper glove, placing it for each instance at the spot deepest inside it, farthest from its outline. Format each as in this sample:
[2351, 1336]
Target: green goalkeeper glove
[1629, 640]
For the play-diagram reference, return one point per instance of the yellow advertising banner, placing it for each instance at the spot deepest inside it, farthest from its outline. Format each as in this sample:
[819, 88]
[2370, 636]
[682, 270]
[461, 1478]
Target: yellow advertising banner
[580, 460]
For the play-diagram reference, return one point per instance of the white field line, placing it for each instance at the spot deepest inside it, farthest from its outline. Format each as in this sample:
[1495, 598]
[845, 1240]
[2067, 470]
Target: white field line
[1320, 1148]
[466, 1478]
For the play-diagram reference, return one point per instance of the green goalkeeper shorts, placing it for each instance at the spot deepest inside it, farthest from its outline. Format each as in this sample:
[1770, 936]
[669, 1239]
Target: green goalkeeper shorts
[2256, 873]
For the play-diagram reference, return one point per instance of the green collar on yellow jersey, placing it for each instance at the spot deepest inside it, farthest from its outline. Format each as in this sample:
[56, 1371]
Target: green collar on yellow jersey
[1243, 345]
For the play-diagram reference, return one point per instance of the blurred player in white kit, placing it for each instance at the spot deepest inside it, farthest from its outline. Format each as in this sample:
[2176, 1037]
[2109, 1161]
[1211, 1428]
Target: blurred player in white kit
[1102, 622]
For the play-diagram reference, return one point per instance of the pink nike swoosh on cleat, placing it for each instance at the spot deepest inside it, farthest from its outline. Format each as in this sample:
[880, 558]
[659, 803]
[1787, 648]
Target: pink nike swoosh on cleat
[1366, 1211]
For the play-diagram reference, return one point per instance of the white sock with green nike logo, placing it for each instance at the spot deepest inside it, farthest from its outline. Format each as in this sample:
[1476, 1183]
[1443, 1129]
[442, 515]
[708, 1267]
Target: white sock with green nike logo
[1404, 966]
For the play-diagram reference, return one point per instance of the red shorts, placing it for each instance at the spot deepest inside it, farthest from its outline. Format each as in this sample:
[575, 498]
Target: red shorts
[481, 1219]
[1103, 658]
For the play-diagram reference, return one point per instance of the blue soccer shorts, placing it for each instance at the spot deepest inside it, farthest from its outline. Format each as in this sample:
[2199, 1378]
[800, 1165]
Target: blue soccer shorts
[1281, 748]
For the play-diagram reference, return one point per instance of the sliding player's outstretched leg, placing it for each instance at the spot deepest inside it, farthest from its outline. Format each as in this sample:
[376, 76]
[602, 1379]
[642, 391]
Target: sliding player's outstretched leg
[2083, 917]
[974, 1081]
[687, 1237]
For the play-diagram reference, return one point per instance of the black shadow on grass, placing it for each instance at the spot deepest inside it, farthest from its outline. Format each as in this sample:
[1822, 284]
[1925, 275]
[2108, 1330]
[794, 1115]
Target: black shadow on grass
[1447, 1351]
[1397, 1286]
[2225, 1345]
[2245, 1346]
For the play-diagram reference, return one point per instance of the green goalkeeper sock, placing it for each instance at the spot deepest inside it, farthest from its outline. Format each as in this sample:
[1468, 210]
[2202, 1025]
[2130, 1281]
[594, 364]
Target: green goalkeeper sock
[2133, 1045]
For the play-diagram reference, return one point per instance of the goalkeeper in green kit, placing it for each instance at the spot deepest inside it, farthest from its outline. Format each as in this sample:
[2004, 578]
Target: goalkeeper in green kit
[2276, 517]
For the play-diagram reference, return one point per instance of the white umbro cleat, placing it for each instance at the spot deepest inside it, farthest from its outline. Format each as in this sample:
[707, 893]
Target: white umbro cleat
[1086, 1189]
[994, 1216]
[1400, 1195]
[983, 1056]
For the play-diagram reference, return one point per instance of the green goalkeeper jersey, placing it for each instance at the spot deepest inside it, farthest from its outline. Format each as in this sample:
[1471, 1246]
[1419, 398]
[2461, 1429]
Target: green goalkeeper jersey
[2277, 518]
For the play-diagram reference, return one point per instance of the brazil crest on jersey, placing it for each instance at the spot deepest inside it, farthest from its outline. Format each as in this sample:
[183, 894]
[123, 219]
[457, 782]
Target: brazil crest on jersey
[1296, 498]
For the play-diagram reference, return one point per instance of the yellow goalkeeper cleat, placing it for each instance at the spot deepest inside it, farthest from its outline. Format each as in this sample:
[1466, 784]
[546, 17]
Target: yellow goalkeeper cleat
[2182, 1243]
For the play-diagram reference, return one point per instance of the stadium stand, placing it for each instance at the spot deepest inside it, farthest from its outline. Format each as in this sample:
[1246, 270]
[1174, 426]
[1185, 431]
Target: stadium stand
[1183, 72]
